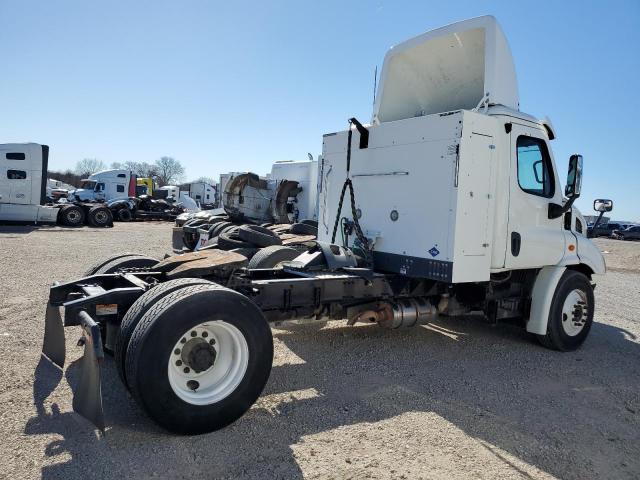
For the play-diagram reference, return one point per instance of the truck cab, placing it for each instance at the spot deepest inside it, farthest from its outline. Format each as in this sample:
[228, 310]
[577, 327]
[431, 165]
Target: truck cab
[23, 183]
[106, 185]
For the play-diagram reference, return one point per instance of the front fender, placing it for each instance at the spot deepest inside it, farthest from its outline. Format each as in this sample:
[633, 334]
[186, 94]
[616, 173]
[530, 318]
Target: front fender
[591, 256]
[541, 298]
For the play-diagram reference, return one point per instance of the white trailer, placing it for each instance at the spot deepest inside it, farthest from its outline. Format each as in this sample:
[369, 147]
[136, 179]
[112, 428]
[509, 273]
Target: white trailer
[448, 203]
[202, 192]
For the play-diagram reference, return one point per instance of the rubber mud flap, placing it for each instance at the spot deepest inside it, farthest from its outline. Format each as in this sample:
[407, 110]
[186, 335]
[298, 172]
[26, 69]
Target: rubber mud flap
[87, 399]
[53, 346]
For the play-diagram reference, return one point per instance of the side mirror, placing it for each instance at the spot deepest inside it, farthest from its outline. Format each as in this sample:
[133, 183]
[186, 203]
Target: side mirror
[574, 177]
[602, 205]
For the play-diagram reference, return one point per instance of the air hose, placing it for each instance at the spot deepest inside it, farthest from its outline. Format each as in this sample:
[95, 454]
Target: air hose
[364, 241]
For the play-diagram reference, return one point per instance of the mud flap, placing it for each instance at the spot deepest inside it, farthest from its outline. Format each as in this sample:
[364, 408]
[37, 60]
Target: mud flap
[87, 400]
[53, 346]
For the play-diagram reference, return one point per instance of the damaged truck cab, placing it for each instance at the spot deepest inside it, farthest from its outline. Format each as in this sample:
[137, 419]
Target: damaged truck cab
[448, 203]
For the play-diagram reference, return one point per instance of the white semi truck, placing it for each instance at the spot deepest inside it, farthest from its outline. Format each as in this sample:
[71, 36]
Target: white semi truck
[105, 186]
[448, 202]
[23, 191]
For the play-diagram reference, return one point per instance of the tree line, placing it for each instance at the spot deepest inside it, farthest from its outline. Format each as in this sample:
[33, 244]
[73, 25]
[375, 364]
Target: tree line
[166, 170]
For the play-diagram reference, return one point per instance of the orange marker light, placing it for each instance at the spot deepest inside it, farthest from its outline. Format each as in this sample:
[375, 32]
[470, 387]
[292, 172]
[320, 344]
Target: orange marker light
[572, 247]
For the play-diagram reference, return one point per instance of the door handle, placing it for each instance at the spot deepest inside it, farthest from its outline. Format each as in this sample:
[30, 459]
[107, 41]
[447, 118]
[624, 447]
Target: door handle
[516, 242]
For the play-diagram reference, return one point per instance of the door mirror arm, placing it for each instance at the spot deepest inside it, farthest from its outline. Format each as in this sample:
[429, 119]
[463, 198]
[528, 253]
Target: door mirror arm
[556, 211]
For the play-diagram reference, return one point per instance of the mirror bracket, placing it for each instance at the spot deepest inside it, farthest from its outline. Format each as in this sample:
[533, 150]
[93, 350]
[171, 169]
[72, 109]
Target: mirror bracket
[556, 211]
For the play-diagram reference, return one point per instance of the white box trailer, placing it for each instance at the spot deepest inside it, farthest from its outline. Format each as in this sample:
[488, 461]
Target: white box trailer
[202, 192]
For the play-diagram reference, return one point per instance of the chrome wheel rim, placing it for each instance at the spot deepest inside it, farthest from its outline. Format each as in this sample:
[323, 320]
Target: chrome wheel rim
[575, 312]
[73, 216]
[208, 362]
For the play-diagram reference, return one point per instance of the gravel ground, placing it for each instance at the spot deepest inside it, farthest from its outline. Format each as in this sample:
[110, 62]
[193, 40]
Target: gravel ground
[454, 399]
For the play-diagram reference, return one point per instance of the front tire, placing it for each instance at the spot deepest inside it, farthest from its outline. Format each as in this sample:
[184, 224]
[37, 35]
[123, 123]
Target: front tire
[571, 313]
[199, 358]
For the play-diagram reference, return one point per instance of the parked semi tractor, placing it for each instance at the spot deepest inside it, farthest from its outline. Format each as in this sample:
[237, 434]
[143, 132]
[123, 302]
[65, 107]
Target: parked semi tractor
[448, 202]
[23, 191]
[106, 185]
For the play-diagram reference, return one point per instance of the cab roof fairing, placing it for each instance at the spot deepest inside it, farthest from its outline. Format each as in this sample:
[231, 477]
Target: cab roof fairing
[451, 68]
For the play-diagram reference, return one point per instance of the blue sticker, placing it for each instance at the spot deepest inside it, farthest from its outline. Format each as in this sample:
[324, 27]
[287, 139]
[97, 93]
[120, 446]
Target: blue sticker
[434, 252]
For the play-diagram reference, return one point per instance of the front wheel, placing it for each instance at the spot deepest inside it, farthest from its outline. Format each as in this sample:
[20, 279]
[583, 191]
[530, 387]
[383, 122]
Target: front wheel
[199, 358]
[571, 313]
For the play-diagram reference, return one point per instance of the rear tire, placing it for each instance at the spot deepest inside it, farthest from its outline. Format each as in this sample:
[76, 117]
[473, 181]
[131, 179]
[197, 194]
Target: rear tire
[571, 313]
[222, 375]
[135, 313]
[71, 216]
[271, 257]
[130, 261]
[100, 216]
[96, 266]
[125, 215]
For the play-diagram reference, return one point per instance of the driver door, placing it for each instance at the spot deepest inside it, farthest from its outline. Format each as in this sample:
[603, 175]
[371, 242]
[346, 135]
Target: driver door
[533, 240]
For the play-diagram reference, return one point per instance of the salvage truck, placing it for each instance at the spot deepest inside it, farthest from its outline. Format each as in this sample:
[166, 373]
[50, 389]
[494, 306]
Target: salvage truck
[23, 191]
[448, 202]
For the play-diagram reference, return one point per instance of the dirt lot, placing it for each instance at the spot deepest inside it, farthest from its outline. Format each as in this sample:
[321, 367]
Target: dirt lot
[454, 399]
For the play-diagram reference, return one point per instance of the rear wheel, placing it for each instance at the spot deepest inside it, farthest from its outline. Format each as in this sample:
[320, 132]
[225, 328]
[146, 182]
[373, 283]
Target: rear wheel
[199, 358]
[571, 313]
[137, 310]
[72, 216]
[125, 215]
[100, 216]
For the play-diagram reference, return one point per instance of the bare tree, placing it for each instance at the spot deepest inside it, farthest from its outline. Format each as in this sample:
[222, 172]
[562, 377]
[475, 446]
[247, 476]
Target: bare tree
[88, 166]
[208, 180]
[168, 171]
[116, 166]
[147, 170]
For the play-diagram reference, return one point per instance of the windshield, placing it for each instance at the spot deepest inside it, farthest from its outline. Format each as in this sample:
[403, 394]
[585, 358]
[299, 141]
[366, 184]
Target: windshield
[88, 185]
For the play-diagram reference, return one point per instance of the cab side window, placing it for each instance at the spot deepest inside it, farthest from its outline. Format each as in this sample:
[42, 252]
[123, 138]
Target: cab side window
[535, 174]
[16, 174]
[120, 188]
[99, 187]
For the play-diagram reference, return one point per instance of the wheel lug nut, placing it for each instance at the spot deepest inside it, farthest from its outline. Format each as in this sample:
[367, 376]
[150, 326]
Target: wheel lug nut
[178, 363]
[186, 370]
[205, 334]
[184, 340]
[194, 334]
[212, 342]
[177, 351]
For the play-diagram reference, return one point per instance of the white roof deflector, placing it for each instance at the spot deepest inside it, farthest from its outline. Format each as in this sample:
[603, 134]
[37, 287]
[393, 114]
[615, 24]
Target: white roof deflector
[451, 68]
